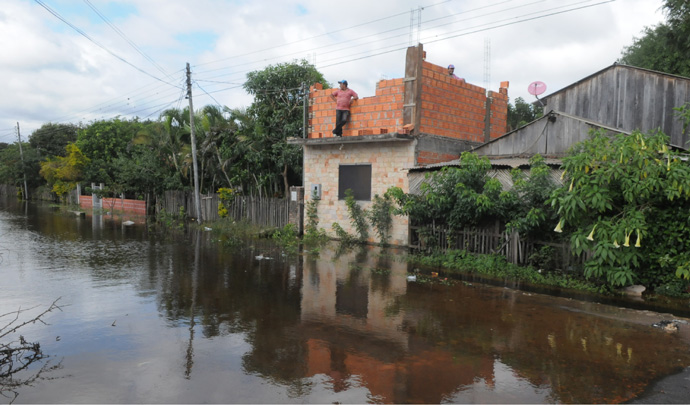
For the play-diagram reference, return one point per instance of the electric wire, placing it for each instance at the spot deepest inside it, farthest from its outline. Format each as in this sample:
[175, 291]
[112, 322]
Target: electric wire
[320, 35]
[337, 48]
[352, 57]
[208, 94]
[123, 36]
[85, 35]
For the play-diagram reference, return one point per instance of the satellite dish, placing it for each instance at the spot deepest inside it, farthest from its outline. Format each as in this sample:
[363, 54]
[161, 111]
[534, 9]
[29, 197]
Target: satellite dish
[537, 88]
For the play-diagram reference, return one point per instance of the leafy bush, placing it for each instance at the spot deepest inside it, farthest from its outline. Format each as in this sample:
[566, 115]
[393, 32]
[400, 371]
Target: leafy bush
[225, 196]
[627, 203]
[312, 234]
[287, 237]
[358, 216]
[381, 217]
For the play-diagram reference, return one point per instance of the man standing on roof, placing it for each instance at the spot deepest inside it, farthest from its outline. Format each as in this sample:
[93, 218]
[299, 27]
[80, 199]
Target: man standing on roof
[451, 69]
[343, 98]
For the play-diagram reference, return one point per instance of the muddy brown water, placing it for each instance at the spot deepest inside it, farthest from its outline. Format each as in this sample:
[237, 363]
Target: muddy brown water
[183, 318]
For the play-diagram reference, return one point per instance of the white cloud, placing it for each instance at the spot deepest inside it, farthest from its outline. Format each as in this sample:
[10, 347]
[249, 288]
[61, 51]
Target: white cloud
[52, 73]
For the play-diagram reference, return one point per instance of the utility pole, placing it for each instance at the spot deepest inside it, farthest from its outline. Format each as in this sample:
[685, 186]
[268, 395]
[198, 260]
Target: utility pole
[197, 203]
[21, 155]
[305, 111]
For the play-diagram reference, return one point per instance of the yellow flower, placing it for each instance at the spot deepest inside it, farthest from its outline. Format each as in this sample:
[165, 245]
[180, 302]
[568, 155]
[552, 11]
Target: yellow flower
[639, 238]
[591, 234]
[627, 239]
[563, 174]
[615, 244]
[559, 227]
[571, 185]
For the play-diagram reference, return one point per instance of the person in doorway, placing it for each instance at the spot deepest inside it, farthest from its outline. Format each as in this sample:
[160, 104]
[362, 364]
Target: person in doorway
[451, 73]
[343, 98]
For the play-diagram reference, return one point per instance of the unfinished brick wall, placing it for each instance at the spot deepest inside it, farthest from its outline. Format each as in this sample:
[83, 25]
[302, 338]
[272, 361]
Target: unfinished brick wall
[447, 107]
[427, 157]
[499, 111]
[375, 115]
[457, 109]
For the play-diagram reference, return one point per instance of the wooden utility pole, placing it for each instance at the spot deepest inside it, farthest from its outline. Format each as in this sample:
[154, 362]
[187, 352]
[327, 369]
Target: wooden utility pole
[21, 155]
[197, 199]
[305, 112]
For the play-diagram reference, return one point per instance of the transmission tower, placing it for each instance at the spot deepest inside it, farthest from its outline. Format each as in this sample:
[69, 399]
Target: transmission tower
[415, 17]
[487, 63]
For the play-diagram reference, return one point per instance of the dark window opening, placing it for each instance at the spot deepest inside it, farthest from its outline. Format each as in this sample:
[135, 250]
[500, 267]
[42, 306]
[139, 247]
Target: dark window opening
[358, 179]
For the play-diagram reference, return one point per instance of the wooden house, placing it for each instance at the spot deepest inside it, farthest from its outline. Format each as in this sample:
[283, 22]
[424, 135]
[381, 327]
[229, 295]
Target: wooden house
[617, 99]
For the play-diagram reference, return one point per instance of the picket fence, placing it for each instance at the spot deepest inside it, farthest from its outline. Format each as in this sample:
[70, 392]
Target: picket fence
[268, 212]
[491, 240]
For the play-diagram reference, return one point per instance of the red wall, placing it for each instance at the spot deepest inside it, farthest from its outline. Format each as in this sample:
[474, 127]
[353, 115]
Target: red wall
[457, 109]
[128, 206]
[375, 115]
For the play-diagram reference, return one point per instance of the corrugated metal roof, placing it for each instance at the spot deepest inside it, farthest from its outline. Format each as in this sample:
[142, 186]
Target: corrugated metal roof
[511, 162]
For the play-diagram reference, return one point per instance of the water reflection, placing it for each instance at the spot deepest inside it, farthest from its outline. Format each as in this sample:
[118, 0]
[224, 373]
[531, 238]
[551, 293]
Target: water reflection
[179, 318]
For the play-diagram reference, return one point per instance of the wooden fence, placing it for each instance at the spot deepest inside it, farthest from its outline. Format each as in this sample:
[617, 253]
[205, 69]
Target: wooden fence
[491, 240]
[268, 212]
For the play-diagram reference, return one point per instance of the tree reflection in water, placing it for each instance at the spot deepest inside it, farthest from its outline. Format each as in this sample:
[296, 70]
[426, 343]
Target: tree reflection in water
[18, 356]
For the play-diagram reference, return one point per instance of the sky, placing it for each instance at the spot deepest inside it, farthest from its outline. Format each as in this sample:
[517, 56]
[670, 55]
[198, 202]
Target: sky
[76, 61]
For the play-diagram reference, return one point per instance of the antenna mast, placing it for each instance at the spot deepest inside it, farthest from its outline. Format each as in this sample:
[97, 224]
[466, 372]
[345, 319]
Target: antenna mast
[487, 63]
[418, 19]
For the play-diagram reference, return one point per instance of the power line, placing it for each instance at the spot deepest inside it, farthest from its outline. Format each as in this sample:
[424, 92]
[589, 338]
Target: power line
[383, 50]
[317, 36]
[526, 19]
[123, 36]
[337, 48]
[402, 45]
[113, 103]
[85, 35]
[207, 93]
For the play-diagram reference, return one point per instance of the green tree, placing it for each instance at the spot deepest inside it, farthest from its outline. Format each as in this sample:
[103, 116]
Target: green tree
[522, 113]
[51, 139]
[627, 202]
[12, 170]
[278, 111]
[103, 142]
[456, 197]
[63, 173]
[665, 47]
[526, 207]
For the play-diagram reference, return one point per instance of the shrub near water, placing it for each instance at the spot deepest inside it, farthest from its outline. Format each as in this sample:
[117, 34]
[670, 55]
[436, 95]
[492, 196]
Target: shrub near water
[495, 266]
[627, 203]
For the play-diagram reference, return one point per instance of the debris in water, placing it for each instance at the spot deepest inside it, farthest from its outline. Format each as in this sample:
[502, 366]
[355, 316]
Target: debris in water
[668, 326]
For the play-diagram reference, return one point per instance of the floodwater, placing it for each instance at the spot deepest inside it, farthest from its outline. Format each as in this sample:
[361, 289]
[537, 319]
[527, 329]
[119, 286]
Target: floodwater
[150, 318]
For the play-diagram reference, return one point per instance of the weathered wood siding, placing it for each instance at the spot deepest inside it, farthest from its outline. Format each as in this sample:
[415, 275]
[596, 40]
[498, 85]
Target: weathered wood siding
[627, 98]
[551, 135]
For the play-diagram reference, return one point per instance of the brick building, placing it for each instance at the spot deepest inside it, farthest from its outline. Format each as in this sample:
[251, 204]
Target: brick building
[424, 118]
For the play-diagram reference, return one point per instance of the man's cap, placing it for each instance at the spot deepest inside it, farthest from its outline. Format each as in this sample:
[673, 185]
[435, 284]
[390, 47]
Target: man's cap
[451, 66]
[343, 82]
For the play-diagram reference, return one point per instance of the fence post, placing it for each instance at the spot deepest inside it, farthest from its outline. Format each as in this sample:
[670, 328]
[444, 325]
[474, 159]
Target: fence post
[514, 247]
[296, 208]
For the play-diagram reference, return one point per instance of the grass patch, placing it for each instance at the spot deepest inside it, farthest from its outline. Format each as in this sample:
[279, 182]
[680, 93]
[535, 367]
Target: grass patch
[496, 267]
